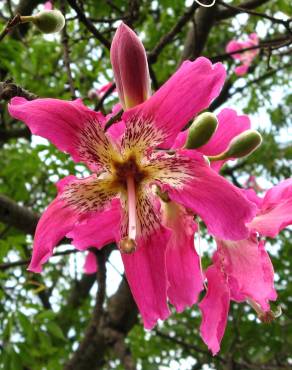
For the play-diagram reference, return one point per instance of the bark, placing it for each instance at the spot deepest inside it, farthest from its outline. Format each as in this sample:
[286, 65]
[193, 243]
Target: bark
[198, 33]
[106, 332]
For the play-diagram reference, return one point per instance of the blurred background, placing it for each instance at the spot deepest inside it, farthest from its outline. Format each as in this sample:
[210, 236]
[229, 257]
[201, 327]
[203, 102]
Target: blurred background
[43, 318]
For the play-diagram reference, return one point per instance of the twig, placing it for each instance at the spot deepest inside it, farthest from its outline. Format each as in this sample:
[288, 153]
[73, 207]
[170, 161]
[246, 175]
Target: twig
[113, 119]
[168, 37]
[8, 90]
[9, 26]
[66, 54]
[88, 24]
[273, 44]
[8, 265]
[285, 23]
[106, 95]
[184, 344]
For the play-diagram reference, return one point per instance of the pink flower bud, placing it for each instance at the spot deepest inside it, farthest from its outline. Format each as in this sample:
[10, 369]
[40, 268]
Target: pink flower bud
[129, 61]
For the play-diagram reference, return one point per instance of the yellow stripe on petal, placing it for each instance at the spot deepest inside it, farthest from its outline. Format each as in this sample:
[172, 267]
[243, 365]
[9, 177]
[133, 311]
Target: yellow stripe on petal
[140, 136]
[171, 170]
[95, 147]
[90, 194]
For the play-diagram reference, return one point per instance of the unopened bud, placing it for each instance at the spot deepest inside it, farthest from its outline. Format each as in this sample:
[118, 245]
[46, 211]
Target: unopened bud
[240, 146]
[129, 61]
[201, 130]
[47, 21]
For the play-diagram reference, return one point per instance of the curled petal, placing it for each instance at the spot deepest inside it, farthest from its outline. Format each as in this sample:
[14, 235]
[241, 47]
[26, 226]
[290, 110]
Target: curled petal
[249, 270]
[276, 210]
[90, 265]
[146, 275]
[214, 308]
[190, 90]
[190, 182]
[182, 260]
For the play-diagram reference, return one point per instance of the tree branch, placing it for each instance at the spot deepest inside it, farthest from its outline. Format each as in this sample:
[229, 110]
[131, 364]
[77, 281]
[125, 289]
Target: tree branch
[198, 33]
[8, 90]
[285, 23]
[17, 216]
[228, 13]
[66, 54]
[102, 334]
[88, 24]
[168, 37]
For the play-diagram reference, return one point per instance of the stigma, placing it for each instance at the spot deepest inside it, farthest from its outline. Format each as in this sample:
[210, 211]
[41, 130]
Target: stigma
[127, 245]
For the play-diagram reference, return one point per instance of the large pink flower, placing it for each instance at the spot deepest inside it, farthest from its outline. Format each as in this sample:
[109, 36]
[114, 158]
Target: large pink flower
[131, 177]
[242, 270]
[275, 210]
[245, 57]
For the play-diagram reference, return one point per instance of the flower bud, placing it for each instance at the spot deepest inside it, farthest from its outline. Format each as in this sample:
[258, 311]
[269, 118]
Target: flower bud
[129, 61]
[47, 21]
[201, 130]
[241, 145]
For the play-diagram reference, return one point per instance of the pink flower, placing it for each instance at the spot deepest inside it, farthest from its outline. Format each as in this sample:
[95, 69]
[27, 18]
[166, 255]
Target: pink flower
[133, 180]
[48, 5]
[90, 264]
[246, 57]
[242, 270]
[275, 210]
[99, 93]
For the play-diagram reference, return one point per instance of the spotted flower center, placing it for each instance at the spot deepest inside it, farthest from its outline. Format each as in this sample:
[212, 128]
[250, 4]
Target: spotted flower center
[125, 170]
[129, 168]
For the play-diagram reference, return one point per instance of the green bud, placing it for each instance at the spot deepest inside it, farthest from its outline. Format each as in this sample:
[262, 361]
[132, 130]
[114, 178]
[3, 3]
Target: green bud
[240, 146]
[201, 130]
[49, 21]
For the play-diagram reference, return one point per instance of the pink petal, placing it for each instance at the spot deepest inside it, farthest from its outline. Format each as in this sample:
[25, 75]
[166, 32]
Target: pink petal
[129, 61]
[232, 46]
[230, 124]
[190, 90]
[56, 120]
[48, 5]
[54, 224]
[182, 261]
[98, 230]
[116, 131]
[249, 270]
[90, 265]
[180, 140]
[276, 210]
[241, 70]
[146, 275]
[220, 204]
[214, 308]
[253, 197]
[103, 90]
